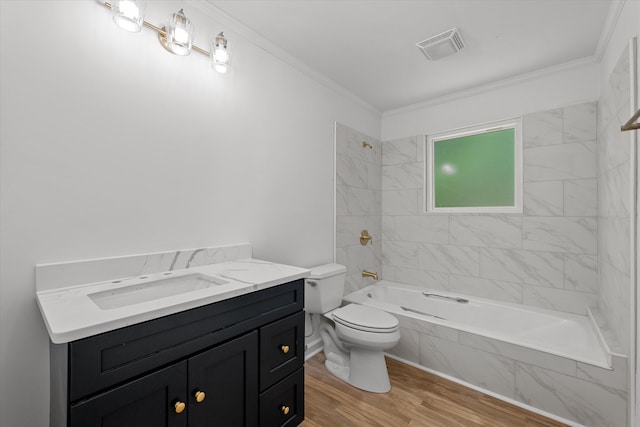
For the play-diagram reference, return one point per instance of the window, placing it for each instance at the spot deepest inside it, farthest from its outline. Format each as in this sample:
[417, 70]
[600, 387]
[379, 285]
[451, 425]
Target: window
[475, 170]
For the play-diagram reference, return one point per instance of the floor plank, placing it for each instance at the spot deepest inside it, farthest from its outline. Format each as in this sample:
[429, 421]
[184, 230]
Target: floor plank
[417, 399]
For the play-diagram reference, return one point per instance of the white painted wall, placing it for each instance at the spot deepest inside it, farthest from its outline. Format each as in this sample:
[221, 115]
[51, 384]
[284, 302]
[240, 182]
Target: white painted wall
[568, 85]
[111, 146]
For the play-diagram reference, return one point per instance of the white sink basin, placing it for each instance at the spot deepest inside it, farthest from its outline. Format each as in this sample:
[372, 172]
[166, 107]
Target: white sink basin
[152, 290]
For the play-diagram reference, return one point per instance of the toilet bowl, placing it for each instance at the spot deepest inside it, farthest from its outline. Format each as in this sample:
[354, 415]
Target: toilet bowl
[354, 336]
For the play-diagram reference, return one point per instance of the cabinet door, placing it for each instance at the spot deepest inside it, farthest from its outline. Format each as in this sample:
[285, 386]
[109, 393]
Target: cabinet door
[227, 375]
[151, 401]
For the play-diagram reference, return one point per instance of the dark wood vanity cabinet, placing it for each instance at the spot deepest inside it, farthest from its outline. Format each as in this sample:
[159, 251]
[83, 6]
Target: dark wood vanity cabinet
[238, 362]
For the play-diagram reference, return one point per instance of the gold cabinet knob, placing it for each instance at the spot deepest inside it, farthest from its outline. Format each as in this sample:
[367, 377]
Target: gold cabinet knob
[285, 409]
[199, 395]
[285, 349]
[179, 407]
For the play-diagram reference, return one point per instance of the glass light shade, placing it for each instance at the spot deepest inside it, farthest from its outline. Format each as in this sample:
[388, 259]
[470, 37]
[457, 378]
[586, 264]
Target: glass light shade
[180, 34]
[128, 14]
[220, 56]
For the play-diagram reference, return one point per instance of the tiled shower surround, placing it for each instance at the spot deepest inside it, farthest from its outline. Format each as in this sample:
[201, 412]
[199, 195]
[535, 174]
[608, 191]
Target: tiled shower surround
[358, 203]
[546, 257]
[614, 202]
[568, 250]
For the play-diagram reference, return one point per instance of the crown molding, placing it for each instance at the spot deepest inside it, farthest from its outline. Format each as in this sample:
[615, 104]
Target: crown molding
[615, 10]
[500, 84]
[240, 29]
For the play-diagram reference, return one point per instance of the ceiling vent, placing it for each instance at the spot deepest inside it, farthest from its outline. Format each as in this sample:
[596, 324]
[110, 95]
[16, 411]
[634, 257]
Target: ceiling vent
[444, 44]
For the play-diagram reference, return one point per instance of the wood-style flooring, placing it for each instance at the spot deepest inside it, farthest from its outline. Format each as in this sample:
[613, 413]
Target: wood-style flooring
[417, 398]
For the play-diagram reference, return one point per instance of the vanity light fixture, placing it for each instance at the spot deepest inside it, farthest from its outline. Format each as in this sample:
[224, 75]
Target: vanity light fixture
[177, 34]
[178, 37]
[220, 53]
[128, 14]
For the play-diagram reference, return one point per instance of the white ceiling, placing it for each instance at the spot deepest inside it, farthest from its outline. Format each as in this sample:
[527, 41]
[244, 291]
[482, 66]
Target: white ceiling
[368, 46]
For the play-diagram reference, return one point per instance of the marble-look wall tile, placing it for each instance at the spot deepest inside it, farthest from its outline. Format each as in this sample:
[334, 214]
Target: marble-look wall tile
[580, 122]
[477, 367]
[569, 397]
[544, 198]
[614, 146]
[614, 302]
[349, 142]
[358, 204]
[519, 353]
[617, 378]
[559, 299]
[428, 328]
[569, 234]
[615, 242]
[342, 200]
[388, 227]
[361, 258]
[565, 161]
[494, 231]
[581, 273]
[543, 128]
[581, 197]
[408, 347]
[351, 172]
[400, 202]
[415, 277]
[425, 228]
[453, 259]
[361, 201]
[619, 83]
[486, 288]
[518, 266]
[347, 229]
[400, 151]
[615, 200]
[400, 254]
[402, 176]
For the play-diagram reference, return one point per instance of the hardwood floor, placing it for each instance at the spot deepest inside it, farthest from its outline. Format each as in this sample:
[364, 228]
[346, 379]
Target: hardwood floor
[417, 398]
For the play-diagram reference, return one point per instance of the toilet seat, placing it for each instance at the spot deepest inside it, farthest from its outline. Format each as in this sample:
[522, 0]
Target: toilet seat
[365, 319]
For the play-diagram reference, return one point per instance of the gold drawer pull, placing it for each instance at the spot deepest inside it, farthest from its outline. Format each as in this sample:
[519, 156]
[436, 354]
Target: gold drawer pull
[285, 409]
[179, 407]
[285, 349]
[199, 395]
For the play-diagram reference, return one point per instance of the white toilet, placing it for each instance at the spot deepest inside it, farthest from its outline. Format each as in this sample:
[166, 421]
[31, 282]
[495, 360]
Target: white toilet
[354, 350]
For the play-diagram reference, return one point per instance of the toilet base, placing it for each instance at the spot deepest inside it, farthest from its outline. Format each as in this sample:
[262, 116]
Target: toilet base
[366, 369]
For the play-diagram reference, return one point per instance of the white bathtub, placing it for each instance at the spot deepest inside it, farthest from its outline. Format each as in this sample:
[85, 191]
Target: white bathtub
[562, 334]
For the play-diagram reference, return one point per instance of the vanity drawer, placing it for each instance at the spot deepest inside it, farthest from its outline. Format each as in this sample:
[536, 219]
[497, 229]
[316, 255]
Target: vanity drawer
[281, 349]
[108, 359]
[283, 404]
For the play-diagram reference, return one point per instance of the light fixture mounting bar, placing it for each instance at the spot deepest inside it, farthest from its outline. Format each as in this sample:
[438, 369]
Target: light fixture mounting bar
[162, 33]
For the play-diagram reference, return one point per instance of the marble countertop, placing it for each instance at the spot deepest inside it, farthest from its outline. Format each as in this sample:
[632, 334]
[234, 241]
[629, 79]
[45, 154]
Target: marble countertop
[73, 312]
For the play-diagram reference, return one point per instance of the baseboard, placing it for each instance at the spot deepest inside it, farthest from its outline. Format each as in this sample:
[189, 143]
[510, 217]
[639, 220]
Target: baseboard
[487, 392]
[312, 348]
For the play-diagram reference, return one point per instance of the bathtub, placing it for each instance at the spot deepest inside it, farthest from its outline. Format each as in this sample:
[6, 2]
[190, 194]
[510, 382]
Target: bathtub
[562, 334]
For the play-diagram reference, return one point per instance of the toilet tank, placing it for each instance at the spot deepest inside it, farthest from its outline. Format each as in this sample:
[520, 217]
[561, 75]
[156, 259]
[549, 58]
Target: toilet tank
[324, 287]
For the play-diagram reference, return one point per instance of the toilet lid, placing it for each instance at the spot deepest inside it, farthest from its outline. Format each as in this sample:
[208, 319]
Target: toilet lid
[365, 318]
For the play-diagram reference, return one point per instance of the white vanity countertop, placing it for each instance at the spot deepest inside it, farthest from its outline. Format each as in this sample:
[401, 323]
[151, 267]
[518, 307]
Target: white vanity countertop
[70, 313]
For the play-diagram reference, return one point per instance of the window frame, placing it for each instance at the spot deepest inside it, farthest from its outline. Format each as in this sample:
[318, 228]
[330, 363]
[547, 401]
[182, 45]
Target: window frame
[429, 182]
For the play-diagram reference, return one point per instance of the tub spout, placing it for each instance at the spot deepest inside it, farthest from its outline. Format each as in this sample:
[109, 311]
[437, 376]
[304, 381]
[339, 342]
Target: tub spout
[366, 273]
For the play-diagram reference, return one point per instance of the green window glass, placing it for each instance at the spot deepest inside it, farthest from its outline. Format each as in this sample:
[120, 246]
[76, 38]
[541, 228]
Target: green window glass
[475, 170]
